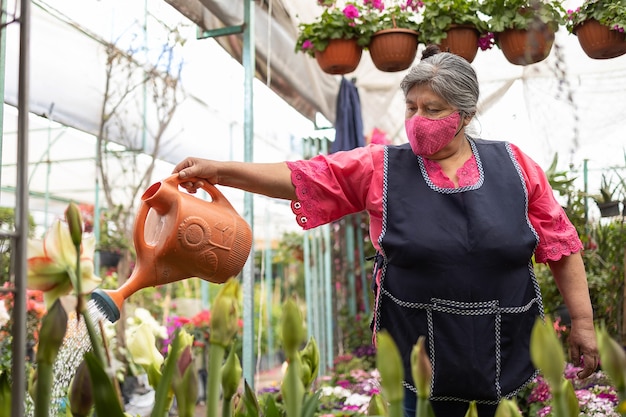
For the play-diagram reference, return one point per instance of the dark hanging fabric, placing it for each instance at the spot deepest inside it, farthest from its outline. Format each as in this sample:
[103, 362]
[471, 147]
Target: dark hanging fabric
[348, 120]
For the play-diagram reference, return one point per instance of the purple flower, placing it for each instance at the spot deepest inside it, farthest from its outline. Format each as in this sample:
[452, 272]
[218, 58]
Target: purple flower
[485, 42]
[351, 12]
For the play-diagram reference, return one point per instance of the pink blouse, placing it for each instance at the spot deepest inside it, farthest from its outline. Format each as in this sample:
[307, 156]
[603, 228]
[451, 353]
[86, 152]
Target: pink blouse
[331, 186]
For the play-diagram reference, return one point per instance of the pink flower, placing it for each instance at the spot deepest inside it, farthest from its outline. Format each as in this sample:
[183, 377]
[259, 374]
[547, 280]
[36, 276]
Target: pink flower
[306, 45]
[351, 12]
[376, 4]
[544, 411]
[413, 4]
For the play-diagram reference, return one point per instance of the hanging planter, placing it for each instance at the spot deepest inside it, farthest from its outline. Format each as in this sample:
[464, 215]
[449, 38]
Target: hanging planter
[109, 259]
[461, 40]
[609, 209]
[599, 41]
[526, 46]
[341, 56]
[393, 50]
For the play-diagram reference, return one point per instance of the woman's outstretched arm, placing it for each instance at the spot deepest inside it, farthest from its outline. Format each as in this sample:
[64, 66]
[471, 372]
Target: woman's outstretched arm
[270, 179]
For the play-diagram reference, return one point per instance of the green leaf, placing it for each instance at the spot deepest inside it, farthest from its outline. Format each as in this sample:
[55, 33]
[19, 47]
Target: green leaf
[249, 399]
[311, 404]
[163, 394]
[270, 409]
[5, 395]
[105, 397]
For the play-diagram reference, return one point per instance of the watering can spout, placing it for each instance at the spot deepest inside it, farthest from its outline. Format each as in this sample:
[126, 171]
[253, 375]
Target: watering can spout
[179, 236]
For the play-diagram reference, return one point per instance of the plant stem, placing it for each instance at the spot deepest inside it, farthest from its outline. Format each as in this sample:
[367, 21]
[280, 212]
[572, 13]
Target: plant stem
[43, 389]
[421, 410]
[216, 356]
[396, 408]
[227, 407]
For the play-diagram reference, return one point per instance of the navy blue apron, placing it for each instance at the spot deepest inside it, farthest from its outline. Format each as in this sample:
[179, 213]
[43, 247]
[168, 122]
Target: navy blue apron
[456, 267]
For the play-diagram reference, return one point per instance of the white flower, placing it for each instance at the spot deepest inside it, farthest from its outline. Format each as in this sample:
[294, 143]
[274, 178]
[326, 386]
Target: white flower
[339, 392]
[4, 314]
[357, 399]
[141, 345]
[143, 316]
[50, 259]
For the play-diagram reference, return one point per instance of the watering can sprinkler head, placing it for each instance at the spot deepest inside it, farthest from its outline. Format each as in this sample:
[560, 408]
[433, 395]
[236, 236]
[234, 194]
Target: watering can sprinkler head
[179, 236]
[106, 305]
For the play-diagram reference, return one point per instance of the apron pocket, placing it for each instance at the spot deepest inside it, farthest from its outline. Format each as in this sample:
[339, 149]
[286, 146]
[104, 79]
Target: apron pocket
[465, 350]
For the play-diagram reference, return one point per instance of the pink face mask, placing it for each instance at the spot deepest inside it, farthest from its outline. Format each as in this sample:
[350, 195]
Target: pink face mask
[429, 136]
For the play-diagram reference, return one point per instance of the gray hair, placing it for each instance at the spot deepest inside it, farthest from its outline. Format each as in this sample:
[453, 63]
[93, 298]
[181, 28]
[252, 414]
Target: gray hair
[450, 76]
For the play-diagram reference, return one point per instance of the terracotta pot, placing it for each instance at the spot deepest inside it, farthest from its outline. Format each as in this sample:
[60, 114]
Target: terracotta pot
[393, 50]
[462, 40]
[599, 41]
[341, 56]
[525, 47]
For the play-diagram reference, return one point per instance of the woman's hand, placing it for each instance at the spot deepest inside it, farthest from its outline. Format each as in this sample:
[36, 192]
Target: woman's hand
[583, 348]
[198, 171]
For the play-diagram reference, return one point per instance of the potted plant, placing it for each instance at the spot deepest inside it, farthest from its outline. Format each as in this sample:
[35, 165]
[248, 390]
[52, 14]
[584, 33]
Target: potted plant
[111, 241]
[599, 26]
[335, 38]
[524, 29]
[392, 31]
[607, 205]
[456, 26]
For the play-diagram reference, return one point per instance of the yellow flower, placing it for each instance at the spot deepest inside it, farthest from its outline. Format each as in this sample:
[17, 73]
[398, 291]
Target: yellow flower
[389, 364]
[421, 368]
[225, 314]
[142, 347]
[546, 352]
[53, 259]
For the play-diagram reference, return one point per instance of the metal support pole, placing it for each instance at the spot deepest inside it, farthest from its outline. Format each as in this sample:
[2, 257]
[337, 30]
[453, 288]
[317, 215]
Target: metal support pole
[249, 61]
[586, 191]
[21, 219]
[349, 233]
[3, 45]
[360, 245]
[327, 286]
[269, 285]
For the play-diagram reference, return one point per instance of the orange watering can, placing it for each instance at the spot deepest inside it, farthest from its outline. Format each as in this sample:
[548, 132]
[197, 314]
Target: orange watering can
[179, 236]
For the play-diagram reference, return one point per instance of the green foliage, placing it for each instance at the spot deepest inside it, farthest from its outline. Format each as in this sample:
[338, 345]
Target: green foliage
[607, 190]
[333, 23]
[7, 224]
[356, 339]
[112, 239]
[522, 14]
[353, 20]
[611, 13]
[391, 17]
[438, 15]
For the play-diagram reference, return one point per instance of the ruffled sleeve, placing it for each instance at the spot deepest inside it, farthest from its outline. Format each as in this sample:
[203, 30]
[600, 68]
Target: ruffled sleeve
[331, 186]
[557, 235]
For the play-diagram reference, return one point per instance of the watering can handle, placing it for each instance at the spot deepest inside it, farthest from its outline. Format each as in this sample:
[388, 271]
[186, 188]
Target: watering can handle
[215, 194]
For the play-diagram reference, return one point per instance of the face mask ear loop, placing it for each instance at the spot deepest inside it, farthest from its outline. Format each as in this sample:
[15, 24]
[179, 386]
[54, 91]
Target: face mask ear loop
[461, 124]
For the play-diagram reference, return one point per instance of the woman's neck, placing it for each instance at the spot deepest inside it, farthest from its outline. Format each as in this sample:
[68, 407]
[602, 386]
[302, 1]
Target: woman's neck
[456, 158]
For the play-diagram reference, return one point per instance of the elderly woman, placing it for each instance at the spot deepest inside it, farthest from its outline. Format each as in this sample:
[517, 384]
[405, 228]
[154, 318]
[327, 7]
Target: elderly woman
[455, 221]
